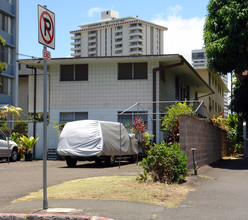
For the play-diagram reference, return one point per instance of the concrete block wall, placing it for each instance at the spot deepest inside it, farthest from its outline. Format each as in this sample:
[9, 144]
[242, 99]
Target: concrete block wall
[210, 141]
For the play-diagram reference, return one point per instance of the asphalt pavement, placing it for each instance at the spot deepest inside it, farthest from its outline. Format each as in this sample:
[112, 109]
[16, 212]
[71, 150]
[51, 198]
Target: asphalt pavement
[221, 193]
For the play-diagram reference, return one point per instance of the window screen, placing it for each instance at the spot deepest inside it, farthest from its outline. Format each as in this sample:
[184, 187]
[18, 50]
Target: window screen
[140, 70]
[132, 71]
[73, 116]
[66, 116]
[66, 73]
[81, 116]
[81, 72]
[125, 71]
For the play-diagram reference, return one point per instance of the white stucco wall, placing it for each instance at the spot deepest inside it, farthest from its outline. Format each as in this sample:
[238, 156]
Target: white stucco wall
[102, 96]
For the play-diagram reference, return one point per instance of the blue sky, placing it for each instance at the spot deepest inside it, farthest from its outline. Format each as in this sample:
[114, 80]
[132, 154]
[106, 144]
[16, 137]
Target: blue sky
[183, 18]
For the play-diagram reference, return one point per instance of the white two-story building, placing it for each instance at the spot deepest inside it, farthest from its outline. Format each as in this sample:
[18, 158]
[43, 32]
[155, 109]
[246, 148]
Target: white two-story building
[100, 88]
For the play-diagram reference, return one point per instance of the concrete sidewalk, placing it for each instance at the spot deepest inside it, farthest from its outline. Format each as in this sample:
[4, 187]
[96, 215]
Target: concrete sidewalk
[221, 193]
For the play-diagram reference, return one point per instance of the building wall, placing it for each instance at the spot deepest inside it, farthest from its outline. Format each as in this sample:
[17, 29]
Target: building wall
[209, 141]
[10, 32]
[23, 90]
[102, 96]
[217, 100]
[39, 93]
[102, 90]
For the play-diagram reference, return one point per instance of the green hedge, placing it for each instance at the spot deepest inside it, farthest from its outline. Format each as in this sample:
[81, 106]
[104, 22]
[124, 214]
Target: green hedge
[165, 163]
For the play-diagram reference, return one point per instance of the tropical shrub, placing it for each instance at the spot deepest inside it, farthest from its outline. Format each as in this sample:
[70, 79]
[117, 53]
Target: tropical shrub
[220, 121]
[28, 143]
[170, 122]
[233, 126]
[59, 127]
[165, 163]
[146, 142]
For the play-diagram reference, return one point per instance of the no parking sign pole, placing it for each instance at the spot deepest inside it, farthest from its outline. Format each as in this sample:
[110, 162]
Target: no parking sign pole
[46, 27]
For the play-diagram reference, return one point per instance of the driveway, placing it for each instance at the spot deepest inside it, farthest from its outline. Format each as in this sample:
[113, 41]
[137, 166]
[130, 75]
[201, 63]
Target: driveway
[221, 192]
[17, 179]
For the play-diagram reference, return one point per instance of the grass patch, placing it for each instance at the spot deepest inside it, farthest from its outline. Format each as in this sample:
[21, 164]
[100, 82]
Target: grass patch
[125, 188]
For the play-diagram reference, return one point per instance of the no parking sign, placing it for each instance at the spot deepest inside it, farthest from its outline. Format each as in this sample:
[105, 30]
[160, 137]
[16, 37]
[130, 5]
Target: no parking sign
[46, 27]
[46, 23]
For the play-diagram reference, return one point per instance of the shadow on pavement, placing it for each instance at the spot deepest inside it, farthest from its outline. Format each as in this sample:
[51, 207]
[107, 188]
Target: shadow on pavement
[231, 164]
[96, 166]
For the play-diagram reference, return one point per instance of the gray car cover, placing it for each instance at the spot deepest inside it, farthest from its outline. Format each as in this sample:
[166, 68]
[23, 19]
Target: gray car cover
[95, 138]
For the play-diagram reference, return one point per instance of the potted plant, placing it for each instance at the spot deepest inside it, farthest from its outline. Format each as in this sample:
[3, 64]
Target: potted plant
[28, 144]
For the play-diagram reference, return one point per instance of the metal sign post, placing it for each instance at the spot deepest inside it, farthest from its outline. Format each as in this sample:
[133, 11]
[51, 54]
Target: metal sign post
[46, 20]
[45, 203]
[244, 139]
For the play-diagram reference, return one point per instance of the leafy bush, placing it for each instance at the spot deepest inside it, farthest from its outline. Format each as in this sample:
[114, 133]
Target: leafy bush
[170, 122]
[21, 125]
[165, 163]
[146, 142]
[59, 127]
[233, 126]
[28, 143]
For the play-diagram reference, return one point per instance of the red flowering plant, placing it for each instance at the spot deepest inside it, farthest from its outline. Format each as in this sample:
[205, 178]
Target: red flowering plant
[140, 130]
[22, 151]
[139, 126]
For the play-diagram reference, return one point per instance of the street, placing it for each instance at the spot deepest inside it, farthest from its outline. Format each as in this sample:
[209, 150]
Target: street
[220, 191]
[17, 179]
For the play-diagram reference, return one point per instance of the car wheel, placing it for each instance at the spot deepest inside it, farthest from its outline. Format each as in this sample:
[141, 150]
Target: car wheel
[14, 155]
[71, 162]
[98, 161]
[110, 161]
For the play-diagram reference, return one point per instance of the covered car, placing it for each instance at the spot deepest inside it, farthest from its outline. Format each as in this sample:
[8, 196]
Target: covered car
[95, 140]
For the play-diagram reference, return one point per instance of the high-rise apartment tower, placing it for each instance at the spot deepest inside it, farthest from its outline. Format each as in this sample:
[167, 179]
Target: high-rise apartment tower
[115, 36]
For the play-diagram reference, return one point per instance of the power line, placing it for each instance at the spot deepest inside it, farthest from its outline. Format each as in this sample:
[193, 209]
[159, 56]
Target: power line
[25, 55]
[6, 52]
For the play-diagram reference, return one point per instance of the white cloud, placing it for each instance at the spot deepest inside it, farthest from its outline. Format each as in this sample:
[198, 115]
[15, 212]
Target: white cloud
[173, 10]
[92, 11]
[183, 35]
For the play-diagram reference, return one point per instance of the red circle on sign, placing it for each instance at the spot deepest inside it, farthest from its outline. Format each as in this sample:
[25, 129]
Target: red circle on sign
[50, 36]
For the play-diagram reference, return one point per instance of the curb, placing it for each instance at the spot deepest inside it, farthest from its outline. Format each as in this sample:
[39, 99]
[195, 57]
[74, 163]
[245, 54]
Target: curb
[20, 216]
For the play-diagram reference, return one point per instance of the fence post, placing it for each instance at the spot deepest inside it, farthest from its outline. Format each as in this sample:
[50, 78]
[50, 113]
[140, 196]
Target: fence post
[244, 139]
[194, 162]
